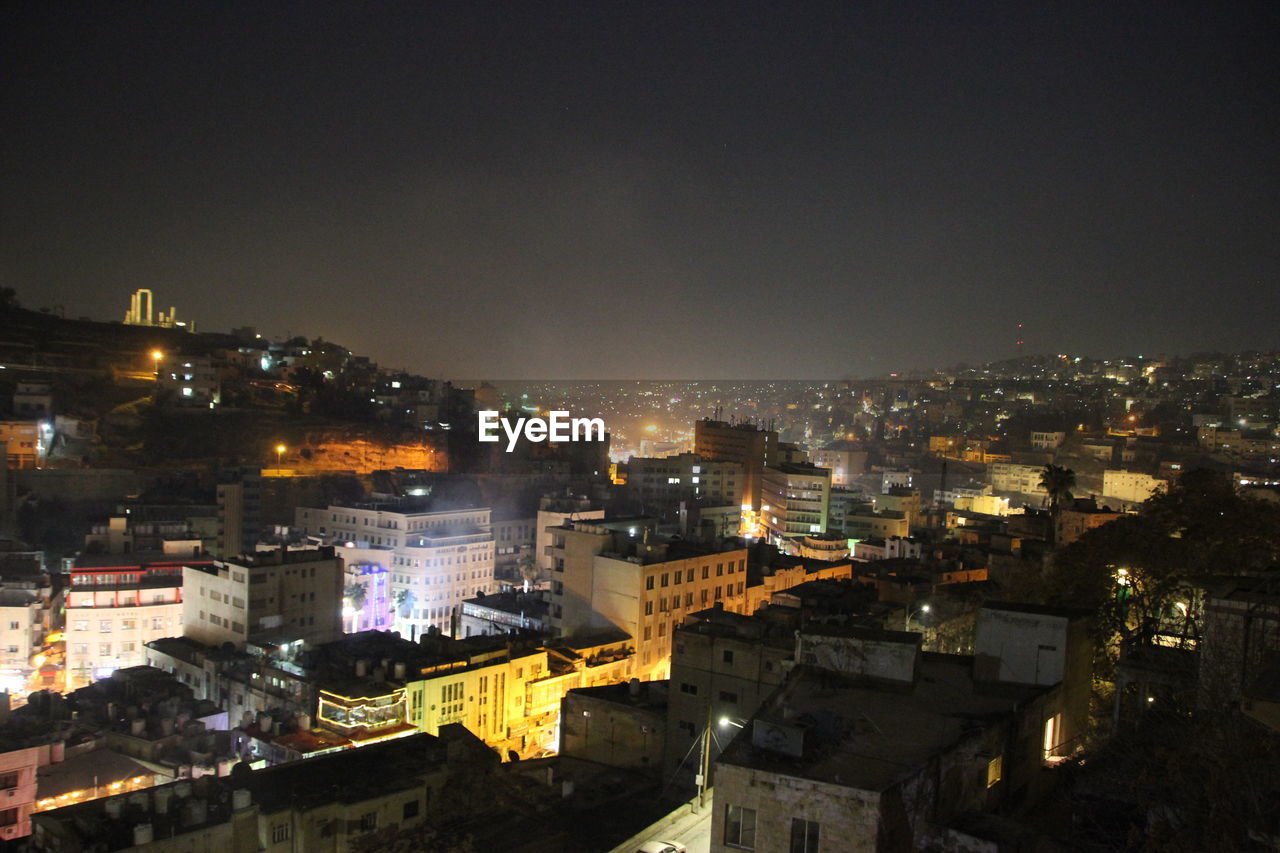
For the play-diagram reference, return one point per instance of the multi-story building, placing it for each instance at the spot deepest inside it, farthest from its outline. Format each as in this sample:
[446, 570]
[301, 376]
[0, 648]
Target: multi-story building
[437, 558]
[1130, 486]
[24, 443]
[903, 500]
[744, 443]
[513, 538]
[795, 500]
[662, 483]
[239, 512]
[1012, 477]
[617, 574]
[846, 459]
[866, 523]
[553, 511]
[723, 666]
[21, 630]
[286, 596]
[114, 610]
[1047, 440]
[188, 380]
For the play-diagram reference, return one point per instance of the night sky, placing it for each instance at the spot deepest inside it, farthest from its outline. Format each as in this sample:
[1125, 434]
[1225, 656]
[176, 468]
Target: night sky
[685, 190]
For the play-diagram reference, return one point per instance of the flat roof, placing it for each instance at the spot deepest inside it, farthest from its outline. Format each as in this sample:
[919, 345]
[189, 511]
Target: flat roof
[868, 737]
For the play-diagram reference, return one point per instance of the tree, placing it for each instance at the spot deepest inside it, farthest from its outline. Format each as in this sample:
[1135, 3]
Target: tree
[356, 595]
[1058, 481]
[403, 600]
[1133, 570]
[529, 569]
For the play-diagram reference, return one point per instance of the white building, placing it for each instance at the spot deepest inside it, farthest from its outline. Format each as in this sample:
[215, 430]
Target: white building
[21, 634]
[281, 596]
[1130, 486]
[436, 559]
[1047, 440]
[112, 611]
[1012, 477]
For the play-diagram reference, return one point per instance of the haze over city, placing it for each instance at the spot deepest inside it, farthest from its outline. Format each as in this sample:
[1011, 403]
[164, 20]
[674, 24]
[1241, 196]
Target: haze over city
[653, 190]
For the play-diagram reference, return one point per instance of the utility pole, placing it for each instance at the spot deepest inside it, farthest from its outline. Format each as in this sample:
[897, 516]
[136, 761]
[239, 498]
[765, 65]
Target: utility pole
[704, 771]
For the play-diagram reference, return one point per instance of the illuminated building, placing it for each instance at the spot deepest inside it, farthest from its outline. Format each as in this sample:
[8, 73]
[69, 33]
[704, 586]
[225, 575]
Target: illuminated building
[275, 596]
[1130, 486]
[616, 574]
[846, 459]
[744, 443]
[114, 610]
[24, 443]
[796, 500]
[186, 380]
[436, 559]
[553, 511]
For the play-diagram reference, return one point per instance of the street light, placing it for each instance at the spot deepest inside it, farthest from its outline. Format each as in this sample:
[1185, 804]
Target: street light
[280, 449]
[704, 777]
[922, 609]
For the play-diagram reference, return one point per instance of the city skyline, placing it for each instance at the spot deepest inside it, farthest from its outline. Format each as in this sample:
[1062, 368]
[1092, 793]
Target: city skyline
[630, 192]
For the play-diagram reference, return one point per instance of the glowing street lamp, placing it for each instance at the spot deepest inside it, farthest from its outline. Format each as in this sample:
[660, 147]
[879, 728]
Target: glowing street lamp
[280, 449]
[920, 611]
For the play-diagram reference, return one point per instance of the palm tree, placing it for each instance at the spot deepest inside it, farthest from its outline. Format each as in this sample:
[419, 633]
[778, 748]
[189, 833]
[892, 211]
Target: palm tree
[529, 570]
[356, 594]
[1058, 481]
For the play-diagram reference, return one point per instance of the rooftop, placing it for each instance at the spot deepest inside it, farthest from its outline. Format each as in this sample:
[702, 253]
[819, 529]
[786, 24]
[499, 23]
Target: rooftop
[870, 737]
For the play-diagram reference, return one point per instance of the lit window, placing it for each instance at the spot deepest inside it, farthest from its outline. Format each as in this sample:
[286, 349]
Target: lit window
[995, 770]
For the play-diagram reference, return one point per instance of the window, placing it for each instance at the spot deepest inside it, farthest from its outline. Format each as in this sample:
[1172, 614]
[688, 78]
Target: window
[648, 582]
[804, 836]
[706, 572]
[280, 832]
[648, 608]
[13, 626]
[995, 770]
[104, 626]
[728, 656]
[8, 780]
[740, 827]
[369, 821]
[688, 576]
[410, 809]
[691, 689]
[726, 696]
[665, 578]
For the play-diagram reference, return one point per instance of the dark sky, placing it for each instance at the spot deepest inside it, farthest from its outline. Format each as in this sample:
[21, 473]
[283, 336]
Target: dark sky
[684, 190]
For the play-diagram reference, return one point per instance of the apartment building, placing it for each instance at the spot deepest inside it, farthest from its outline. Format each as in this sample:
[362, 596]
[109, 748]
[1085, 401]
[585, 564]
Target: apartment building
[795, 501]
[437, 558]
[286, 596]
[744, 443]
[1012, 477]
[846, 459]
[618, 574]
[21, 627]
[663, 483]
[723, 665]
[114, 610]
